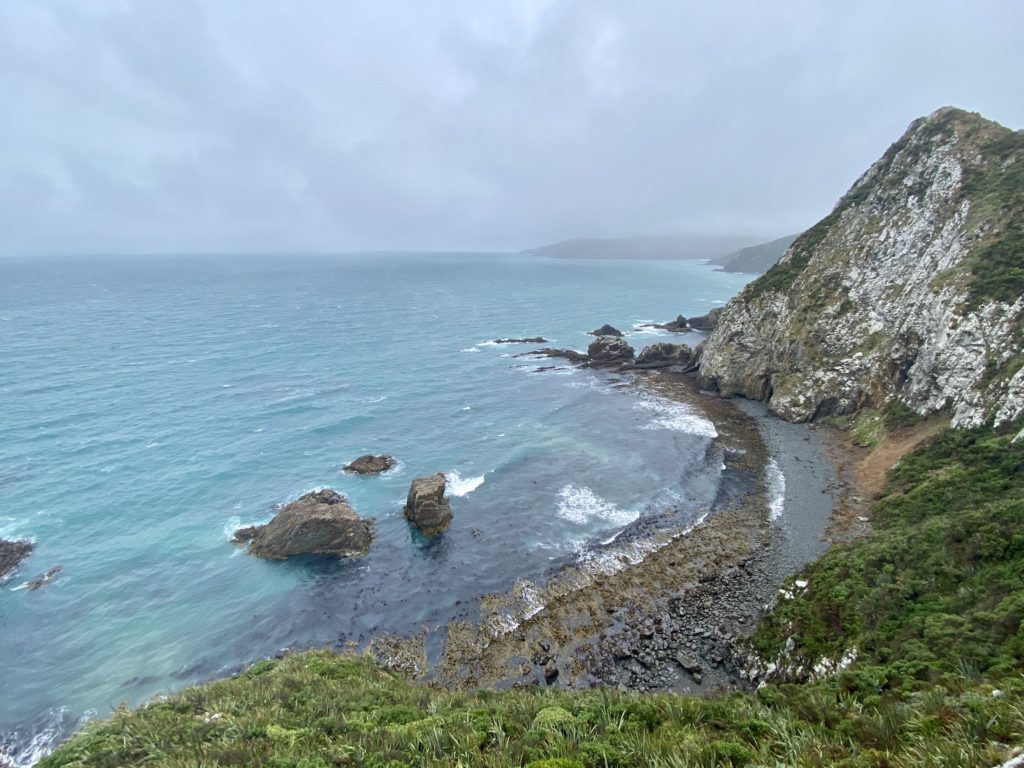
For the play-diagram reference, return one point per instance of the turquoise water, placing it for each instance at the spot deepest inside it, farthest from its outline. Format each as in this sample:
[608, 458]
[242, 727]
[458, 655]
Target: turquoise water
[150, 407]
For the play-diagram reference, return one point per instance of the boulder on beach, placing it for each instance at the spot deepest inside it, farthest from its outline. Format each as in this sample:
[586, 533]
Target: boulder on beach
[666, 355]
[610, 351]
[607, 330]
[12, 553]
[426, 506]
[531, 340]
[370, 465]
[317, 523]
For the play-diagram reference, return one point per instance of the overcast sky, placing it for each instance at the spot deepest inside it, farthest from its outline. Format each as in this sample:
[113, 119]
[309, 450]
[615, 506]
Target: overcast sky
[325, 125]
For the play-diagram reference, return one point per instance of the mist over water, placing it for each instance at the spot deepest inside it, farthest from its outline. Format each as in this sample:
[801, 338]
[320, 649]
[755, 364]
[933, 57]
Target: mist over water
[151, 407]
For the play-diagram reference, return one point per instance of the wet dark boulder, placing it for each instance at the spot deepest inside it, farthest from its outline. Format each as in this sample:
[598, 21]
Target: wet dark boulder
[607, 330]
[12, 553]
[531, 340]
[666, 356]
[317, 523]
[610, 351]
[426, 507]
[370, 465]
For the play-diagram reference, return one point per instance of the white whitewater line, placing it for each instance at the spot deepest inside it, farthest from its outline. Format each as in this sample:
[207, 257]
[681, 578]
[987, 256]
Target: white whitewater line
[679, 417]
[580, 505]
[42, 742]
[776, 482]
[470, 349]
[461, 486]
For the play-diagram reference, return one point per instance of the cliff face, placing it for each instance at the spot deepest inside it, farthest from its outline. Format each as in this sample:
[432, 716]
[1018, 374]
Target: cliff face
[909, 291]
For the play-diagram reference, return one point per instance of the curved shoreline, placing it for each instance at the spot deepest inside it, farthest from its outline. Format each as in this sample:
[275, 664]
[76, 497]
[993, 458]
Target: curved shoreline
[661, 610]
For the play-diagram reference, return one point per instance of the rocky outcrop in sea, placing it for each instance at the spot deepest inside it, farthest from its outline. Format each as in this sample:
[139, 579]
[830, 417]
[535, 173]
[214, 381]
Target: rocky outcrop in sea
[11, 555]
[370, 465]
[606, 330]
[426, 507]
[318, 523]
[609, 351]
[908, 292]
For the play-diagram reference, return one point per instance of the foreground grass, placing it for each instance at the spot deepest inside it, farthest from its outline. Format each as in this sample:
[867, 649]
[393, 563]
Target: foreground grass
[932, 601]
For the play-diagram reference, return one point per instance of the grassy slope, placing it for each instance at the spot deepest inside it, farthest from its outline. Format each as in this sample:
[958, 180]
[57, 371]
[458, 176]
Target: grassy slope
[933, 601]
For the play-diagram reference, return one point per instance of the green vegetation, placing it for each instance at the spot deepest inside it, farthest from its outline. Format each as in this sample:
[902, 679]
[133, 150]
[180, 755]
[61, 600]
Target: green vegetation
[870, 426]
[996, 190]
[933, 603]
[939, 588]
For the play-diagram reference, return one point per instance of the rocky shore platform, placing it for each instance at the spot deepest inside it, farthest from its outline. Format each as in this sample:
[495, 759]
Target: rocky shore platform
[659, 609]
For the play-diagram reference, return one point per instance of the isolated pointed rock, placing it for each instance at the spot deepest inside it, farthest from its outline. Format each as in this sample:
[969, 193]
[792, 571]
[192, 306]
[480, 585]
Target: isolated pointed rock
[317, 523]
[426, 506]
[606, 330]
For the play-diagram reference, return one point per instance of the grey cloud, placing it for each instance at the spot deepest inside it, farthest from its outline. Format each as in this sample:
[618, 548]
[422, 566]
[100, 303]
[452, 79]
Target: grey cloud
[161, 125]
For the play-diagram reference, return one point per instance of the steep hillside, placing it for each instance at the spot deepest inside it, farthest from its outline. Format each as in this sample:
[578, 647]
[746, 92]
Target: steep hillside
[907, 295]
[755, 259]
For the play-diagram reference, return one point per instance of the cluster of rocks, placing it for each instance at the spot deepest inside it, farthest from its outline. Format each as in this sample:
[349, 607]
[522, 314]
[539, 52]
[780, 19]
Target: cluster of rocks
[531, 340]
[611, 350]
[615, 352]
[693, 643]
[323, 522]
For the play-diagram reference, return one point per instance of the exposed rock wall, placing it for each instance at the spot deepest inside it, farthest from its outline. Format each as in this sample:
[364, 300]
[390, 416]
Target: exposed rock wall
[909, 291]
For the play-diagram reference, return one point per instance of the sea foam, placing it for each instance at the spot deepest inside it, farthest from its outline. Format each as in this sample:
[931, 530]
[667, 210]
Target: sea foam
[679, 417]
[776, 482]
[461, 486]
[580, 505]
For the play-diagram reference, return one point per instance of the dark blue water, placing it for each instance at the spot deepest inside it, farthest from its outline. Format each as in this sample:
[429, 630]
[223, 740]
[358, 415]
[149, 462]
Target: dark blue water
[150, 407]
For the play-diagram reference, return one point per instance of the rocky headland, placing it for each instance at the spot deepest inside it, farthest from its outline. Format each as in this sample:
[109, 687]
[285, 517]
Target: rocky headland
[907, 295]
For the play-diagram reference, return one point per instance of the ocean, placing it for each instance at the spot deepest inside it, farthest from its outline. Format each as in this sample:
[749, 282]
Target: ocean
[153, 405]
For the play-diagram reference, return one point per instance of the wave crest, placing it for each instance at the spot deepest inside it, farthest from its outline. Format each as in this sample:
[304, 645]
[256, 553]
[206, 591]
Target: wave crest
[461, 486]
[580, 505]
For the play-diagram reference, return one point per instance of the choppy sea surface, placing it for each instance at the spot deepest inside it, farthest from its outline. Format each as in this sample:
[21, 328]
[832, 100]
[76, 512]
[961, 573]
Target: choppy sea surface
[151, 406]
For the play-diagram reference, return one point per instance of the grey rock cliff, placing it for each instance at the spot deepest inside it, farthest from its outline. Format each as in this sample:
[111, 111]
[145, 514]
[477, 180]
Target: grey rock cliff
[909, 291]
